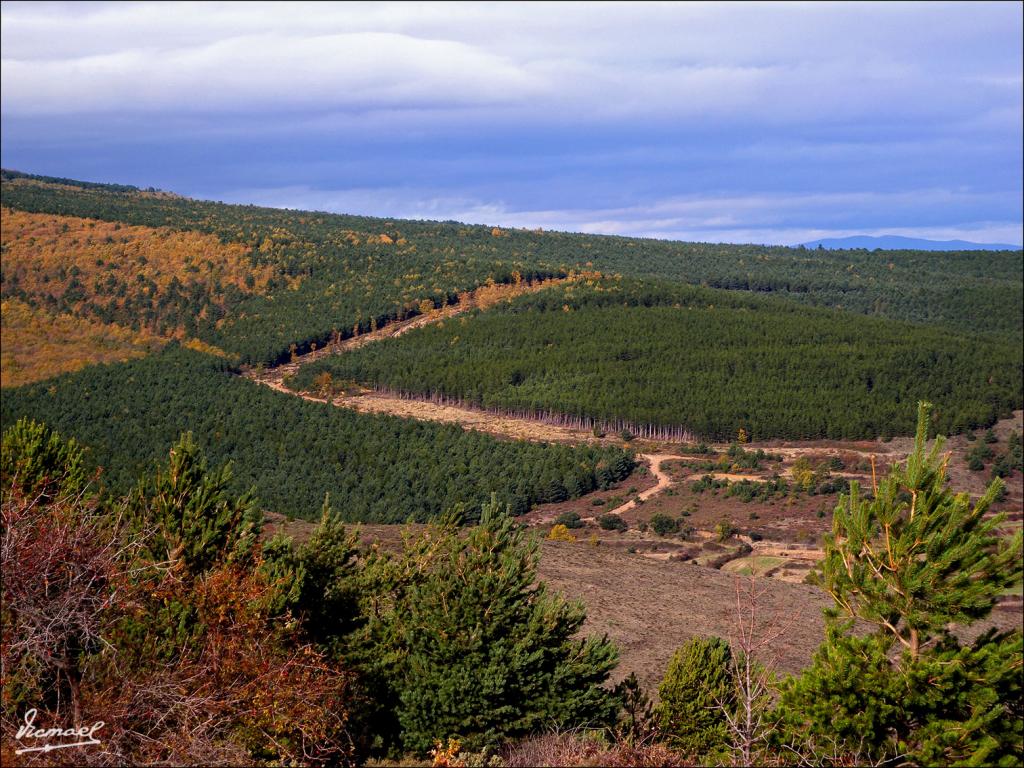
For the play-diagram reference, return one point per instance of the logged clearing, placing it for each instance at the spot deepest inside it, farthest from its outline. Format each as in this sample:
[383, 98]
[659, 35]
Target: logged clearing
[484, 296]
[374, 402]
[367, 401]
[501, 426]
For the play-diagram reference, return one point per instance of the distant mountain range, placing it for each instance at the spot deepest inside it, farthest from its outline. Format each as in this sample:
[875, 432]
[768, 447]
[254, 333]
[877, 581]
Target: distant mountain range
[895, 242]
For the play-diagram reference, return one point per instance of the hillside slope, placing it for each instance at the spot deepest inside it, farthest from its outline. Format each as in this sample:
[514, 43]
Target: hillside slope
[663, 360]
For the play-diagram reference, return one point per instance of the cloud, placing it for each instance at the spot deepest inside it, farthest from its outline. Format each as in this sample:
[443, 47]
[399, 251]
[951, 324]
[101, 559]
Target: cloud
[367, 69]
[768, 219]
[774, 122]
[614, 61]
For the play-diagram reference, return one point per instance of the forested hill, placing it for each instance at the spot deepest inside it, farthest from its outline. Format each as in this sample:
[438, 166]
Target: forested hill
[636, 354]
[375, 468]
[327, 274]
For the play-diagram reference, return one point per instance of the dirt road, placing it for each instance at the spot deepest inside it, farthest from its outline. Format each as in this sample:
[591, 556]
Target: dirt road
[517, 428]
[369, 401]
[654, 461]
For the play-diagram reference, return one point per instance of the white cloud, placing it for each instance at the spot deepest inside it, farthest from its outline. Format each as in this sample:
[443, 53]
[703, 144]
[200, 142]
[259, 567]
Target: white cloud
[708, 98]
[765, 62]
[769, 219]
[315, 72]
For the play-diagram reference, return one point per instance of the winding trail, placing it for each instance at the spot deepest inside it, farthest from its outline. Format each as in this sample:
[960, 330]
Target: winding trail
[654, 462]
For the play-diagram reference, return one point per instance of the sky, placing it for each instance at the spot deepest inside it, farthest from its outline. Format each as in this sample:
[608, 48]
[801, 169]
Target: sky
[716, 122]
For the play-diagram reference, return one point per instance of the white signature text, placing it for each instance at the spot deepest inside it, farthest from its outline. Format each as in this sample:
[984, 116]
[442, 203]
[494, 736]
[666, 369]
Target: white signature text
[85, 735]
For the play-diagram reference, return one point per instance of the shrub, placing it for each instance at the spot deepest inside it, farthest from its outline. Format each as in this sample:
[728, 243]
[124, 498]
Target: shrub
[570, 520]
[560, 533]
[663, 524]
[612, 522]
[725, 531]
[564, 749]
[1001, 467]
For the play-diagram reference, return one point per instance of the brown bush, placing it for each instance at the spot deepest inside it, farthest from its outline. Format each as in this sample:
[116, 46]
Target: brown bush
[180, 670]
[580, 749]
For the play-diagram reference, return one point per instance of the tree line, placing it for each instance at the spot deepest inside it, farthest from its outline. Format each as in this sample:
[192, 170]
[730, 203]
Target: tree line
[333, 274]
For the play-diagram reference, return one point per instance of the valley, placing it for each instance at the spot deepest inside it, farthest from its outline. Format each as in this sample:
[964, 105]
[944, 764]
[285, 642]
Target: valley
[671, 444]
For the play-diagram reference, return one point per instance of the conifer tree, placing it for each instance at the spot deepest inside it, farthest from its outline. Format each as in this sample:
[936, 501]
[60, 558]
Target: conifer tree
[39, 462]
[912, 561]
[317, 580]
[190, 513]
[472, 647]
[697, 684]
[637, 721]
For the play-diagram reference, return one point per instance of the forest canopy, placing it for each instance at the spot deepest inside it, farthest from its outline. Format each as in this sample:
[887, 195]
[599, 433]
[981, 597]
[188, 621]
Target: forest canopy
[321, 276]
[375, 468]
[655, 353]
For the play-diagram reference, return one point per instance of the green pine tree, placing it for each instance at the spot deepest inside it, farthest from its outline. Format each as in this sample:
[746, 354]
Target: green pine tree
[189, 514]
[40, 463]
[911, 562]
[464, 643]
[697, 685]
[637, 720]
[327, 599]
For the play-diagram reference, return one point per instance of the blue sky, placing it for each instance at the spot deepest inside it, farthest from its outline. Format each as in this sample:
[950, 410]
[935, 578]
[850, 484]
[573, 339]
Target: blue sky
[773, 123]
